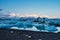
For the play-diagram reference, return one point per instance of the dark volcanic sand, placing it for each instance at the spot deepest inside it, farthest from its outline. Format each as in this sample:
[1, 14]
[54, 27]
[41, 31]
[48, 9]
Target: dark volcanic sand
[13, 34]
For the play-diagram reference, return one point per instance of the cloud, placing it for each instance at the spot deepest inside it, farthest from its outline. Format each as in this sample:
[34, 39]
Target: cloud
[31, 15]
[23, 15]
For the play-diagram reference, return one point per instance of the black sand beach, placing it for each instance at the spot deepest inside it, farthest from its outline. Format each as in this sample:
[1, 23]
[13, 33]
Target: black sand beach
[13, 34]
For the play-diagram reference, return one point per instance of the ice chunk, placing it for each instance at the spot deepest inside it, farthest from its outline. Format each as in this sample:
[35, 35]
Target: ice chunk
[51, 28]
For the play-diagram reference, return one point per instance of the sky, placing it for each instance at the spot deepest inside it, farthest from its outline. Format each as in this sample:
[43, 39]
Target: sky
[39, 7]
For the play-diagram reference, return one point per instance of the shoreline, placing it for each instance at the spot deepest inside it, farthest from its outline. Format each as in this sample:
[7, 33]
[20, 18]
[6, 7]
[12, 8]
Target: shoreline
[14, 34]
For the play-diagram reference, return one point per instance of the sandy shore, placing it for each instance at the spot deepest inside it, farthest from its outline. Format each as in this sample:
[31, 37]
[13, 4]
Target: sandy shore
[14, 34]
